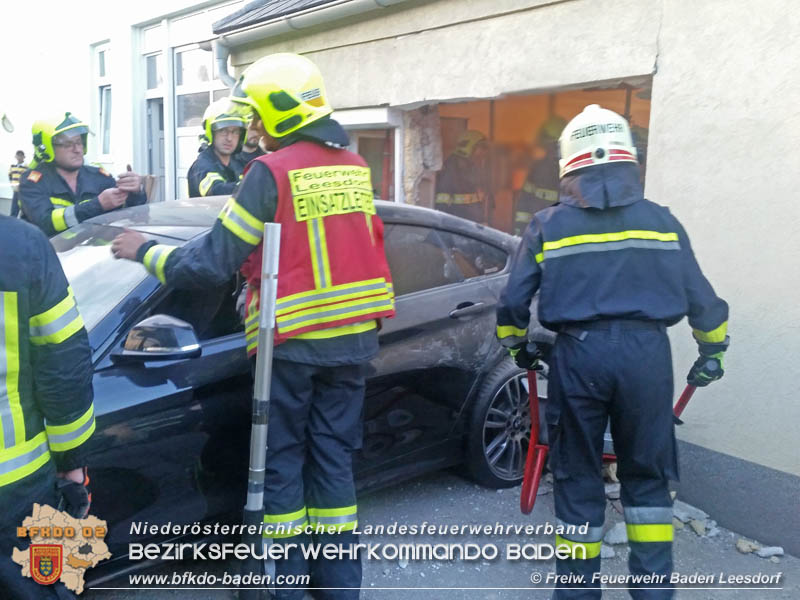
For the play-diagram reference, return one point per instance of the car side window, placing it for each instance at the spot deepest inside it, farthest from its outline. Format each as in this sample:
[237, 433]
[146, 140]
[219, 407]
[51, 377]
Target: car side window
[417, 259]
[474, 257]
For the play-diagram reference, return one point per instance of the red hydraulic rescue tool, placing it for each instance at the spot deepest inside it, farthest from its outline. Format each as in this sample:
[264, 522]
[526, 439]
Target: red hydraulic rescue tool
[537, 453]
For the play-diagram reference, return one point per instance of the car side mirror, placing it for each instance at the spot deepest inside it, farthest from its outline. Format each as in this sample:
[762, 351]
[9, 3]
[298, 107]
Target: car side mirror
[159, 337]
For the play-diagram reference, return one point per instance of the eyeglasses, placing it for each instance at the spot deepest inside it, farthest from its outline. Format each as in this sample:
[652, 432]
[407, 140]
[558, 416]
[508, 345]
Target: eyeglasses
[76, 143]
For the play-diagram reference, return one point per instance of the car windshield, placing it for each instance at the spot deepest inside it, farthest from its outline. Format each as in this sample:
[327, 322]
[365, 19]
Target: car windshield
[99, 281]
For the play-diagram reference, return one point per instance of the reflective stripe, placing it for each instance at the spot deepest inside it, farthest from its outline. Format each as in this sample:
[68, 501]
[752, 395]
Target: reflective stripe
[649, 532]
[611, 246]
[57, 218]
[208, 181]
[715, 336]
[23, 459]
[321, 334]
[292, 523]
[333, 512]
[336, 293]
[69, 217]
[60, 202]
[445, 198]
[156, 258]
[580, 550]
[648, 514]
[57, 324]
[504, 331]
[318, 246]
[614, 236]
[12, 424]
[334, 312]
[345, 518]
[593, 534]
[523, 217]
[71, 435]
[241, 223]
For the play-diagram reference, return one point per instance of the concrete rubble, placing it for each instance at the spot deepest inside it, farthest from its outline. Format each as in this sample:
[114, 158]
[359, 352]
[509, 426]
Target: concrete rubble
[616, 535]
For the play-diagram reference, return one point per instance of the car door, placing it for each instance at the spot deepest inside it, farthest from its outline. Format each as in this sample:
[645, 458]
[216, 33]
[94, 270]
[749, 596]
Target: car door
[430, 356]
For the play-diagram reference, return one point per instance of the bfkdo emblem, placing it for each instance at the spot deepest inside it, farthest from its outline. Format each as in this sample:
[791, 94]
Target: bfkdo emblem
[46, 562]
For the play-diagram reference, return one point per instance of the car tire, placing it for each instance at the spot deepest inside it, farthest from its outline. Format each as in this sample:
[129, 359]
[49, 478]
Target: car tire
[500, 426]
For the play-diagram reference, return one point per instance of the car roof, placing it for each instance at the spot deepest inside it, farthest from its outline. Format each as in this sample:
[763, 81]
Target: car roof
[185, 219]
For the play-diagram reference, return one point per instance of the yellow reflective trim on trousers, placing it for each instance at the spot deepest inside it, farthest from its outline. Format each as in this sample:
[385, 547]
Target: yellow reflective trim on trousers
[10, 350]
[715, 336]
[36, 447]
[510, 331]
[208, 181]
[317, 316]
[293, 521]
[330, 332]
[616, 236]
[580, 550]
[58, 220]
[659, 532]
[282, 518]
[332, 512]
[242, 224]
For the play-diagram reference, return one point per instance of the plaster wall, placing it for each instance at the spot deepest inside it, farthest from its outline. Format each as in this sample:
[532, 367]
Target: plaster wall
[722, 153]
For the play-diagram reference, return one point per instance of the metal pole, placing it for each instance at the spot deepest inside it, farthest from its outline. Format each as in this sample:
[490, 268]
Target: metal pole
[254, 508]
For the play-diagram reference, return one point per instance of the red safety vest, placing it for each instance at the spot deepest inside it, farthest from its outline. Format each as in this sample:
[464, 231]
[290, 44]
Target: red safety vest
[333, 278]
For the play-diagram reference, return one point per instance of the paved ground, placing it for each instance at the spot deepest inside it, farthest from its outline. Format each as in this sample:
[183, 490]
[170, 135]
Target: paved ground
[446, 499]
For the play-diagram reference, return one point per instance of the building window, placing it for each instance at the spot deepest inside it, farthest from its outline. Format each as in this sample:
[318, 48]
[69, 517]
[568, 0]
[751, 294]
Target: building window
[103, 98]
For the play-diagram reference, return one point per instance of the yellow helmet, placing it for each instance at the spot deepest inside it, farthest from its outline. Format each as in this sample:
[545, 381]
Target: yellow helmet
[220, 114]
[551, 129]
[467, 142]
[44, 131]
[285, 90]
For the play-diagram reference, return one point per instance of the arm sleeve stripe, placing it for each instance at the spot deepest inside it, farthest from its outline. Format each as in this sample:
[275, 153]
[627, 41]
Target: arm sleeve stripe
[209, 180]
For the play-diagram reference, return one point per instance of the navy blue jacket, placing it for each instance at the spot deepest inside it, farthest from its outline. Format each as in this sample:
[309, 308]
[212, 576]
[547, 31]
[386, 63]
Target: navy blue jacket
[209, 177]
[48, 201]
[46, 410]
[604, 252]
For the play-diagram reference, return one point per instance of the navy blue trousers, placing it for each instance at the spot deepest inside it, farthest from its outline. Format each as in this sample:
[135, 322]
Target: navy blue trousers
[619, 371]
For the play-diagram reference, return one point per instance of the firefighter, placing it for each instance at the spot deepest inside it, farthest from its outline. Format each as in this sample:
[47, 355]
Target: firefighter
[333, 287]
[461, 185]
[60, 191]
[46, 411]
[250, 148]
[218, 168]
[540, 189]
[614, 271]
[14, 172]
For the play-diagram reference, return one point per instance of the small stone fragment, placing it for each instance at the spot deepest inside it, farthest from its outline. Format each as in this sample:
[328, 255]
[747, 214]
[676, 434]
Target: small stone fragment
[770, 551]
[612, 491]
[616, 535]
[699, 527]
[746, 546]
[677, 523]
[607, 551]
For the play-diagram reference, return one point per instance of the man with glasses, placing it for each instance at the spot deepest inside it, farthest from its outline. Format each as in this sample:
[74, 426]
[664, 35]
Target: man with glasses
[218, 169]
[60, 191]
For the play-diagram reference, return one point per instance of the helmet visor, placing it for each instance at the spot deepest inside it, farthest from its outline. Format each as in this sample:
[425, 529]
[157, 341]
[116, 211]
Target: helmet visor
[224, 121]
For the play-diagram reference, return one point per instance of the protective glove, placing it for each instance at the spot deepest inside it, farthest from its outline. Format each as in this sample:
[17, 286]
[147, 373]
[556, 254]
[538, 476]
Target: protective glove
[526, 356]
[74, 498]
[706, 369]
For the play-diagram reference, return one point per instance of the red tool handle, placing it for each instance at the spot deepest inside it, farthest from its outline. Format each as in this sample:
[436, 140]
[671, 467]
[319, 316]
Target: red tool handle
[537, 453]
[683, 400]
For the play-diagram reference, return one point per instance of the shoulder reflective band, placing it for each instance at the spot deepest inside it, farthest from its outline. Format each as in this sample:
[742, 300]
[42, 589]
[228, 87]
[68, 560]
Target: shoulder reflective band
[286, 524]
[57, 324]
[715, 336]
[333, 190]
[241, 223]
[606, 242]
[156, 258]
[12, 431]
[341, 519]
[69, 436]
[209, 180]
[23, 459]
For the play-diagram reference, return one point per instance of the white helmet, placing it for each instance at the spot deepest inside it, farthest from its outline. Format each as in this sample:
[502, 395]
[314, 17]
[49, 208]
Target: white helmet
[594, 137]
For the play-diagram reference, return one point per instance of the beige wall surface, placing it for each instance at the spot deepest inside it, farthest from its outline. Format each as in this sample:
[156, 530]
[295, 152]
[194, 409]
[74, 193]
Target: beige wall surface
[723, 149]
[723, 155]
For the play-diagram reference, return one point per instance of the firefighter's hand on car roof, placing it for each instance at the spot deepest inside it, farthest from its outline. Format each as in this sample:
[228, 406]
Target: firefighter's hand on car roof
[126, 244]
[706, 369]
[74, 496]
[525, 355]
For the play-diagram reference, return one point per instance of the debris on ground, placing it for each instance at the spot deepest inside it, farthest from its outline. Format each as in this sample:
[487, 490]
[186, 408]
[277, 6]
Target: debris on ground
[607, 551]
[699, 527]
[616, 535]
[612, 491]
[687, 512]
[677, 523]
[770, 551]
[746, 546]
